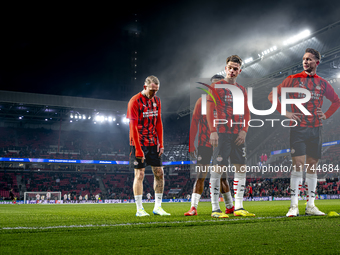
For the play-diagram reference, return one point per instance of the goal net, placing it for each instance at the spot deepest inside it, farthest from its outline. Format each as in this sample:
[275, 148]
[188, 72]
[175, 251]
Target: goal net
[42, 196]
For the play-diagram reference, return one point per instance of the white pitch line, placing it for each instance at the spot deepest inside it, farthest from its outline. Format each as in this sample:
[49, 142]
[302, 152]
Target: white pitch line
[135, 224]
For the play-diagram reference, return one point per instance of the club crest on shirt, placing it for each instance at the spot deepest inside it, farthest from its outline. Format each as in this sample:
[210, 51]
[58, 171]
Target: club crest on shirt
[199, 158]
[318, 87]
[135, 163]
[301, 85]
[219, 158]
[292, 150]
[154, 104]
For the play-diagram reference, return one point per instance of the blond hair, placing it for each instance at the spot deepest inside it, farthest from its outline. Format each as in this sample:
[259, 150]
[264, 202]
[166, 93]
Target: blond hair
[151, 79]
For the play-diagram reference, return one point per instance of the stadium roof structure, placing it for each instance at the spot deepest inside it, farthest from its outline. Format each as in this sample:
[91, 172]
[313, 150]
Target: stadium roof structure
[43, 107]
[269, 69]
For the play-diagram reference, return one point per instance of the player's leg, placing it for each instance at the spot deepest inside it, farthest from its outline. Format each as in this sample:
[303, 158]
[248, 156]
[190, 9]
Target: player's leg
[238, 159]
[197, 190]
[314, 148]
[204, 155]
[296, 184]
[139, 170]
[225, 190]
[138, 191]
[298, 136]
[220, 162]
[158, 186]
[239, 187]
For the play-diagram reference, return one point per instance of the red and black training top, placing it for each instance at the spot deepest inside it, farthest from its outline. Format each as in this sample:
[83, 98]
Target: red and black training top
[204, 133]
[318, 87]
[146, 128]
[224, 109]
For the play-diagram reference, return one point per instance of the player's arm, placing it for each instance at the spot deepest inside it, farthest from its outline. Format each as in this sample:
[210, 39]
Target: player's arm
[334, 98]
[132, 114]
[159, 130]
[241, 138]
[194, 128]
[289, 115]
[210, 117]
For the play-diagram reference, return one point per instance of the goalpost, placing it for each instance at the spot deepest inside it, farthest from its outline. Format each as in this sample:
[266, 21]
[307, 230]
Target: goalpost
[44, 195]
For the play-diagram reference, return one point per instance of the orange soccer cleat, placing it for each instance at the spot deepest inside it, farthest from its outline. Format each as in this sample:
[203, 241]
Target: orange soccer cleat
[191, 212]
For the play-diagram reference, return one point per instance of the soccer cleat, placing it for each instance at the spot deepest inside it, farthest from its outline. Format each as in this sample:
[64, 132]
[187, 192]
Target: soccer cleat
[229, 211]
[219, 214]
[293, 211]
[191, 212]
[142, 213]
[159, 211]
[314, 211]
[242, 212]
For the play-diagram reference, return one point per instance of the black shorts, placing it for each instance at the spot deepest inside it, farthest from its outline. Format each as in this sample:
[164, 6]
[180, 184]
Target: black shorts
[150, 154]
[227, 148]
[204, 155]
[306, 141]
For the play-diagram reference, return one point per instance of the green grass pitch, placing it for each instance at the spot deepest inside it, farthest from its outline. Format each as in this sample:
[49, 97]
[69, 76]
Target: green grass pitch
[114, 229]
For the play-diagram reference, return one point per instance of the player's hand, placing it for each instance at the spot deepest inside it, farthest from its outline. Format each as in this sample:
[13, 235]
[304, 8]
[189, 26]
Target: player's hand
[320, 113]
[214, 139]
[160, 150]
[294, 116]
[241, 138]
[193, 154]
[141, 158]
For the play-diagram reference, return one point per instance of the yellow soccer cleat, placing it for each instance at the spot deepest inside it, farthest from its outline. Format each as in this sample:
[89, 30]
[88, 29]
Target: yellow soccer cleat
[159, 211]
[244, 213]
[142, 213]
[219, 214]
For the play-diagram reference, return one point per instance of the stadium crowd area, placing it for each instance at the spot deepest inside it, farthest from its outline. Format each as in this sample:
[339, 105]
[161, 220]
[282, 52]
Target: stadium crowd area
[119, 185]
[43, 143]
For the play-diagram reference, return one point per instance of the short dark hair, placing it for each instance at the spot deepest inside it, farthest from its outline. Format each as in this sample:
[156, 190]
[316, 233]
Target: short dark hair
[217, 76]
[316, 54]
[235, 59]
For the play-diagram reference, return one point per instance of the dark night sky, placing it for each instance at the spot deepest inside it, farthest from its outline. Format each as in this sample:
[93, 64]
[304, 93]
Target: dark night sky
[68, 50]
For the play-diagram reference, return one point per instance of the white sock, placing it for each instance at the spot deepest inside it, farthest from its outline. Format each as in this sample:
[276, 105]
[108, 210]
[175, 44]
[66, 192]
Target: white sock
[295, 186]
[228, 200]
[239, 186]
[215, 190]
[311, 182]
[195, 198]
[158, 199]
[138, 200]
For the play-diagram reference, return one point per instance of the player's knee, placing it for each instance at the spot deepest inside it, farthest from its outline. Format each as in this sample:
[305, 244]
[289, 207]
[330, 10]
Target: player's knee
[139, 175]
[158, 173]
[299, 164]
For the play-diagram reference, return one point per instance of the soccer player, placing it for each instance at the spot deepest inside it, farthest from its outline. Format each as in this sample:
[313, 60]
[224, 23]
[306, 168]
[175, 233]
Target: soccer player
[228, 139]
[250, 192]
[146, 140]
[203, 153]
[65, 197]
[37, 196]
[12, 197]
[148, 196]
[48, 196]
[306, 136]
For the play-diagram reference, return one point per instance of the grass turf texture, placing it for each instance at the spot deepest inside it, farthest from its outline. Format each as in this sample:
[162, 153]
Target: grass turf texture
[113, 229]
